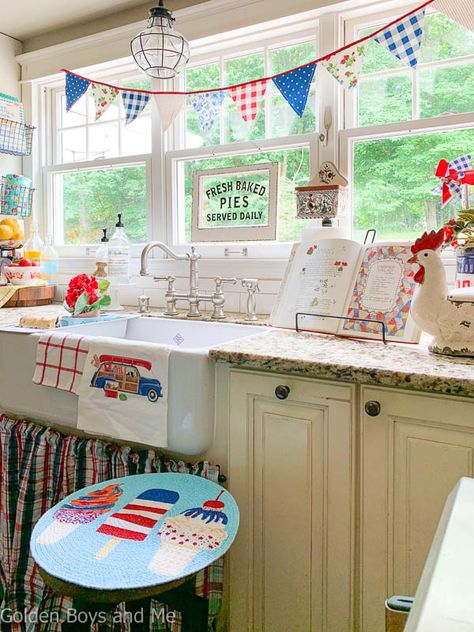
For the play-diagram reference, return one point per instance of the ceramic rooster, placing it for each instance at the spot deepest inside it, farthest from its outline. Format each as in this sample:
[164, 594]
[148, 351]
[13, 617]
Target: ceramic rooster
[451, 324]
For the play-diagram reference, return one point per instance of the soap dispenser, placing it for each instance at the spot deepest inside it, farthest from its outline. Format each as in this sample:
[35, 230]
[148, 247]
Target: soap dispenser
[102, 256]
[119, 255]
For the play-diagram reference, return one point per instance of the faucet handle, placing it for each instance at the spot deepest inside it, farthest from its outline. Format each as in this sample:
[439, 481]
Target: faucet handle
[219, 281]
[169, 278]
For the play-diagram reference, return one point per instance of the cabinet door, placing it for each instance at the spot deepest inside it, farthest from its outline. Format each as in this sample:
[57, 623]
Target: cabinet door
[412, 455]
[290, 470]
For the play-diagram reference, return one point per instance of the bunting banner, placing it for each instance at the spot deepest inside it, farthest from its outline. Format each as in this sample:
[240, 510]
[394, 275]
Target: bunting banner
[461, 11]
[75, 88]
[169, 106]
[104, 96]
[346, 66]
[295, 85]
[207, 106]
[248, 97]
[403, 39]
[133, 103]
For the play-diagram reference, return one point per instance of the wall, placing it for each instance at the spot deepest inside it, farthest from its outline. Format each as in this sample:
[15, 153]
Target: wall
[9, 84]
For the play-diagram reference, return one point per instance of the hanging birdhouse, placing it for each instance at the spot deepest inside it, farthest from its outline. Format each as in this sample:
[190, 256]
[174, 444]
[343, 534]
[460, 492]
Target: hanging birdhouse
[325, 197]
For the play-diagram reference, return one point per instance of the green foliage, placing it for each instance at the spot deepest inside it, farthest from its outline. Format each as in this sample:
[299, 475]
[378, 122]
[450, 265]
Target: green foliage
[394, 179]
[92, 200]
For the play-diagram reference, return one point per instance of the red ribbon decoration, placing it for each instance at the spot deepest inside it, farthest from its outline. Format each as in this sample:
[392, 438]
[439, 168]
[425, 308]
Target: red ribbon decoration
[448, 175]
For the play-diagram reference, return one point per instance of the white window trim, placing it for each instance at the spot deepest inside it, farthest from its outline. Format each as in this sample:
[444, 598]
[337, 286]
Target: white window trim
[162, 206]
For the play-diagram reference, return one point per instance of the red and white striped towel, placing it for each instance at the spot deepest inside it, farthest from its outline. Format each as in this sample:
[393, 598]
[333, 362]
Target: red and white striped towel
[60, 360]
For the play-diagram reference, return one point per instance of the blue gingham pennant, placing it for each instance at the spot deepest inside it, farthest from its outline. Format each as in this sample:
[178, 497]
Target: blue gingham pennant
[207, 106]
[403, 39]
[75, 88]
[294, 87]
[462, 163]
[133, 103]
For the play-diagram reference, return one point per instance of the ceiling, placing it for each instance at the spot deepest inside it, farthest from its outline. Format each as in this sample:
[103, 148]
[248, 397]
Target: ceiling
[37, 17]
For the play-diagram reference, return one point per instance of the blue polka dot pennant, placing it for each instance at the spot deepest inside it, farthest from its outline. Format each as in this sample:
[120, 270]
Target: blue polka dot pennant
[295, 85]
[403, 39]
[75, 88]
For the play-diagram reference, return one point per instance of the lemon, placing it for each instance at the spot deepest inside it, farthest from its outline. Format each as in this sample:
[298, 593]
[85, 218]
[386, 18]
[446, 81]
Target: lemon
[6, 232]
[14, 225]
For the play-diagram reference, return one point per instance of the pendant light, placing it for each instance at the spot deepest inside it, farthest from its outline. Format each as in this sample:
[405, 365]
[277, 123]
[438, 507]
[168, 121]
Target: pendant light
[159, 50]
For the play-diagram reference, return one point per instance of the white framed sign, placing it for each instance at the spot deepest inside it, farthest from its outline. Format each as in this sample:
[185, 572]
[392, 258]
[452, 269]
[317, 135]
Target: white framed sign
[235, 203]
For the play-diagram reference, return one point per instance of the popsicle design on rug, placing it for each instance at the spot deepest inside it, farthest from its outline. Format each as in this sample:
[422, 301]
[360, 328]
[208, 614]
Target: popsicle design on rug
[185, 536]
[79, 511]
[137, 518]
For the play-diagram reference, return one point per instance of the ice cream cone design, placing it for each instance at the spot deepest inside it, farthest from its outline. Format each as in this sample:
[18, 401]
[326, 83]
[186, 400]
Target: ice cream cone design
[136, 519]
[185, 536]
[79, 511]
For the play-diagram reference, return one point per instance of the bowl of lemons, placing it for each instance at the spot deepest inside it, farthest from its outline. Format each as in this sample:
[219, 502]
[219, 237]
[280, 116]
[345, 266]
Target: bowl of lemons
[11, 233]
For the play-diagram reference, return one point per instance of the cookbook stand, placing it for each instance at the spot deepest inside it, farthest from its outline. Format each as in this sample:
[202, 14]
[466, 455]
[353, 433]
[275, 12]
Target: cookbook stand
[365, 320]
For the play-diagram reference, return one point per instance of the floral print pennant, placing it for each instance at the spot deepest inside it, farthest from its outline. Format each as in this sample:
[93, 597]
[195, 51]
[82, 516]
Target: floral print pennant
[104, 96]
[346, 66]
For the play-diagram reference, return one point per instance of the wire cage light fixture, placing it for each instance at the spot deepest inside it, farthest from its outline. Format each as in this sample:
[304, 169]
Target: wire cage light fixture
[159, 50]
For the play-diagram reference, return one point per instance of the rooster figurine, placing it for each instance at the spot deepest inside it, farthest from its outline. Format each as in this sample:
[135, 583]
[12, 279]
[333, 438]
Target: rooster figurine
[450, 323]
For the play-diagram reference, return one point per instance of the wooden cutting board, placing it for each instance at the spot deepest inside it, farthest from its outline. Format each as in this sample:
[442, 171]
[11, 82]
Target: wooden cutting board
[32, 296]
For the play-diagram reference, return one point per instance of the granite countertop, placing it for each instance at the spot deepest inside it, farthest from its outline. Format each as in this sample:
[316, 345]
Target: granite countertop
[366, 362]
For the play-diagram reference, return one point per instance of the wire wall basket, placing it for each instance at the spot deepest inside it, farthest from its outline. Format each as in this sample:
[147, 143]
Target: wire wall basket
[15, 138]
[15, 200]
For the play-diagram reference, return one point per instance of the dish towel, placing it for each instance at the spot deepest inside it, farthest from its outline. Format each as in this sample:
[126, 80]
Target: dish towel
[123, 392]
[60, 360]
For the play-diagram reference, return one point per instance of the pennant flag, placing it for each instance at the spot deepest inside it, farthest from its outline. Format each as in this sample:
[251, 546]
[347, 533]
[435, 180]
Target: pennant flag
[461, 11]
[169, 106]
[453, 176]
[248, 98]
[103, 97]
[346, 66]
[403, 39]
[207, 106]
[134, 103]
[75, 88]
[294, 87]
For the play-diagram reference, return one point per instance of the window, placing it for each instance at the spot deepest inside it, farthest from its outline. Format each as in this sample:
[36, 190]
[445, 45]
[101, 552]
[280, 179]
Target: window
[99, 168]
[387, 136]
[277, 135]
[401, 123]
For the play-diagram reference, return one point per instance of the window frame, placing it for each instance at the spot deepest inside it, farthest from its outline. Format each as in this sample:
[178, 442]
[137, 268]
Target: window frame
[352, 132]
[329, 30]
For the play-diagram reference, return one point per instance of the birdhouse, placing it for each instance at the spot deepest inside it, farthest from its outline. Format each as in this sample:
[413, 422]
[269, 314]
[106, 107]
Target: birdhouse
[325, 197]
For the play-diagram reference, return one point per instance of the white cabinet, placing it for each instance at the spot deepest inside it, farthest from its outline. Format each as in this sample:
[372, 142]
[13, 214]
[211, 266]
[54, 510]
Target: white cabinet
[291, 471]
[412, 454]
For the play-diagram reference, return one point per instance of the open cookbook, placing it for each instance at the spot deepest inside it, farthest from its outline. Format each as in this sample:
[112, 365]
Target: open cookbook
[341, 277]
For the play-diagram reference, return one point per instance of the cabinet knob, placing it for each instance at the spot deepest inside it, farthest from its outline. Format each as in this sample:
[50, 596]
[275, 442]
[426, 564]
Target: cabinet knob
[282, 391]
[373, 408]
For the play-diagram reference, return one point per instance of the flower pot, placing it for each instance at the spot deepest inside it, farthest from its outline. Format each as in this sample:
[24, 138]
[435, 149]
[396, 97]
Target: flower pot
[87, 315]
[465, 267]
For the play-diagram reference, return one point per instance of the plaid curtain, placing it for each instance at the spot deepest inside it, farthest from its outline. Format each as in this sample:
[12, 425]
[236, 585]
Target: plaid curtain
[39, 467]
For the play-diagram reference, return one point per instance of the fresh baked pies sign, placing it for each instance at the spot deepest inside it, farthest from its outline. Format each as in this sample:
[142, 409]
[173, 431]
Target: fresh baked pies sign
[235, 203]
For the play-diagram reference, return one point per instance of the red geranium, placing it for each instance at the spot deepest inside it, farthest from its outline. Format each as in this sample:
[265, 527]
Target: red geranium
[87, 288]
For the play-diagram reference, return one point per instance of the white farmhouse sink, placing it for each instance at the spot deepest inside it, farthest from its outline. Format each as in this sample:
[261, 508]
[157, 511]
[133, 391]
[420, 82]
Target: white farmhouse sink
[191, 374]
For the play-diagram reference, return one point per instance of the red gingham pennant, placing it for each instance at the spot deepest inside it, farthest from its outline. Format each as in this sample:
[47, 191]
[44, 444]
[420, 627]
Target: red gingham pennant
[248, 97]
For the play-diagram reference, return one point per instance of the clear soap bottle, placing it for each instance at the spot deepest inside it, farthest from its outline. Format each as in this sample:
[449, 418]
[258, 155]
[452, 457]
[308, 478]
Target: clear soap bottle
[102, 256]
[119, 255]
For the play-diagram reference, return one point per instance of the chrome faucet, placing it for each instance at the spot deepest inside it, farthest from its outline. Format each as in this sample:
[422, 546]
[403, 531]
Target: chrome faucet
[193, 296]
